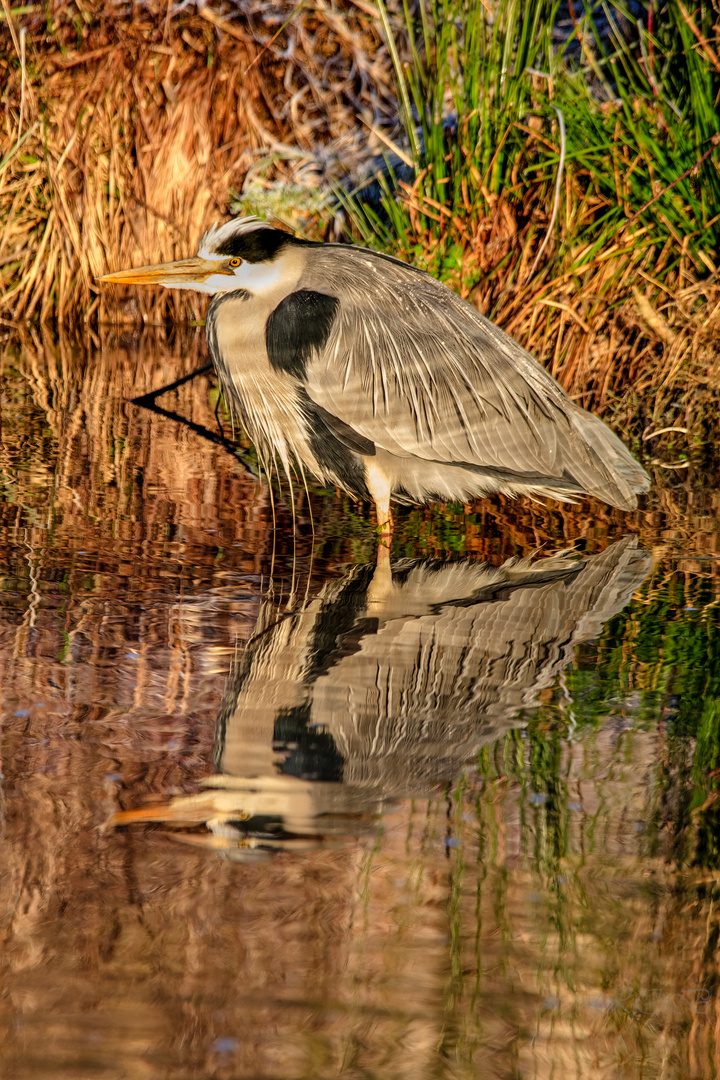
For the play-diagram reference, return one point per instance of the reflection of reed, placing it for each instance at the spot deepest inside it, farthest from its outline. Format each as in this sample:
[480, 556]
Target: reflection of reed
[107, 515]
[388, 684]
[132, 555]
[125, 955]
[575, 874]
[110, 469]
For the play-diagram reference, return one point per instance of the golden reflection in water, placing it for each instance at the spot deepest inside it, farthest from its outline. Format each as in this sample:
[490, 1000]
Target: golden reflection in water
[387, 685]
[464, 931]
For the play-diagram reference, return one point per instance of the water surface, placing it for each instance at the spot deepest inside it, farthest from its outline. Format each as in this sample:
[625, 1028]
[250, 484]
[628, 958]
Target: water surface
[271, 810]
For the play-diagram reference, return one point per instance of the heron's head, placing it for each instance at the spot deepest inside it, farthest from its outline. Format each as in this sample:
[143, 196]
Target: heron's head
[244, 253]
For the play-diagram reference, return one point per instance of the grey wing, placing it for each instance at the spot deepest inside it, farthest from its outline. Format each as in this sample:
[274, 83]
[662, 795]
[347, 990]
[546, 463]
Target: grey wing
[415, 369]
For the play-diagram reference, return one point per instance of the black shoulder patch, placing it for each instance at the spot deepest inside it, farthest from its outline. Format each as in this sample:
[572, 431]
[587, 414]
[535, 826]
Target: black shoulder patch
[259, 245]
[299, 326]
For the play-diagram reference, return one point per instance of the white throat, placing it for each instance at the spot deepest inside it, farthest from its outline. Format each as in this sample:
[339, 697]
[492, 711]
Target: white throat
[259, 278]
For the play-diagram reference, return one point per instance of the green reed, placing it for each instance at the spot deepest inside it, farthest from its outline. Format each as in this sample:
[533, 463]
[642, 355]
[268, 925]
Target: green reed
[641, 134]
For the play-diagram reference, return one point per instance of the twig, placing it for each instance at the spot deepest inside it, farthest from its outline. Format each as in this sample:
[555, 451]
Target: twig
[146, 399]
[156, 213]
[23, 33]
[86, 58]
[11, 26]
[662, 431]
[222, 24]
[672, 185]
[19, 43]
[11, 153]
[369, 9]
[558, 185]
[29, 9]
[277, 35]
[566, 307]
[205, 433]
[66, 151]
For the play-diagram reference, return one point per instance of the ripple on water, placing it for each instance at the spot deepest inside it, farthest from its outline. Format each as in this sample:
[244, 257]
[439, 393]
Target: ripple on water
[268, 815]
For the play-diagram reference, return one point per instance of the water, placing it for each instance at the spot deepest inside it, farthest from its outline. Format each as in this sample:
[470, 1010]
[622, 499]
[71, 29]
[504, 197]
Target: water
[271, 810]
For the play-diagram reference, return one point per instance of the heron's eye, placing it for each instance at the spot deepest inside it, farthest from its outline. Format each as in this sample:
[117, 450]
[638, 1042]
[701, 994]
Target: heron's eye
[235, 262]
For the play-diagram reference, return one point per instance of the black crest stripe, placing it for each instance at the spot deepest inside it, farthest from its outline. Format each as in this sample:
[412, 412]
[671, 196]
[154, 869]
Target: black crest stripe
[299, 326]
[258, 245]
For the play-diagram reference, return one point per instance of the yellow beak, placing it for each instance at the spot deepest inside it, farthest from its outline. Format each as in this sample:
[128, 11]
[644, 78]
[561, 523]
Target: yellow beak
[186, 272]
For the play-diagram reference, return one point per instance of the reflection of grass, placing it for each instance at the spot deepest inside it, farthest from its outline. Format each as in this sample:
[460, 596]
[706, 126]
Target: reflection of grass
[656, 663]
[590, 827]
[655, 667]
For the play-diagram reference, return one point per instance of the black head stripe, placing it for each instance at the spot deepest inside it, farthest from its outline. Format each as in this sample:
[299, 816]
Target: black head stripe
[259, 245]
[299, 326]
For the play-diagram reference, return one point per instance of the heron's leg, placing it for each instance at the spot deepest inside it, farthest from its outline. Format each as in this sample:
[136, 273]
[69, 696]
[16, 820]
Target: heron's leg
[218, 421]
[379, 485]
[387, 525]
[145, 399]
[381, 585]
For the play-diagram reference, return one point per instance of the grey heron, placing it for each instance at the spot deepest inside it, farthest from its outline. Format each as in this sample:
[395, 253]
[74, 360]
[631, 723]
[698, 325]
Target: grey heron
[376, 378]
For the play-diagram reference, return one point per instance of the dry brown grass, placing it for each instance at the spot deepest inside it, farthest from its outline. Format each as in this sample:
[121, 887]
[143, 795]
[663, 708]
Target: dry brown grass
[619, 334]
[124, 131]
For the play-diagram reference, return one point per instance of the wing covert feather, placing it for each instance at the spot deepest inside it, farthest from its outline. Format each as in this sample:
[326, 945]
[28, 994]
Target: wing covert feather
[418, 371]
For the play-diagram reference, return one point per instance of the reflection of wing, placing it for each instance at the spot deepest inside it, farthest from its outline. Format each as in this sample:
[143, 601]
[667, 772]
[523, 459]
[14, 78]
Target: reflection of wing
[420, 697]
[415, 370]
[399, 693]
[271, 687]
[384, 686]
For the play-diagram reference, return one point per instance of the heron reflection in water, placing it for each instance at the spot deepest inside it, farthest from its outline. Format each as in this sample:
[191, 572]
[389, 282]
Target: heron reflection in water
[387, 685]
[373, 376]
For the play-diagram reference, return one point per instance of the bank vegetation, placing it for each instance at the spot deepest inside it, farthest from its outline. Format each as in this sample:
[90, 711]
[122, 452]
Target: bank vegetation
[560, 171]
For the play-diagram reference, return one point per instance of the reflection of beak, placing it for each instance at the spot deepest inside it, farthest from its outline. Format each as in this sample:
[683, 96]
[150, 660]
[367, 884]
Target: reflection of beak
[186, 272]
